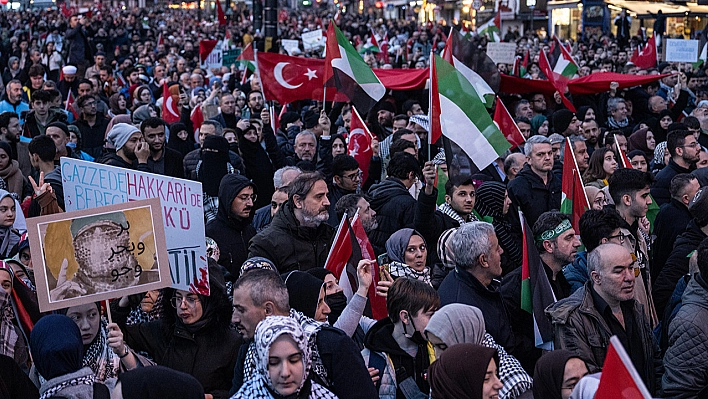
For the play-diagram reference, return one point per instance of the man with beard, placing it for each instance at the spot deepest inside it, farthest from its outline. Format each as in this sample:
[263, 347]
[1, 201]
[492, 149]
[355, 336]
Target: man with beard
[254, 106]
[299, 237]
[92, 125]
[130, 146]
[13, 100]
[346, 179]
[557, 245]
[69, 83]
[227, 117]
[232, 228]
[591, 132]
[10, 131]
[353, 203]
[384, 126]
[162, 160]
[281, 181]
[685, 152]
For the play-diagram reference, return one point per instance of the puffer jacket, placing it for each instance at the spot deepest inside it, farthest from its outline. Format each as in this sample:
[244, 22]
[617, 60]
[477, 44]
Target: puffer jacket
[395, 209]
[231, 233]
[581, 329]
[577, 272]
[528, 193]
[676, 265]
[686, 360]
[292, 246]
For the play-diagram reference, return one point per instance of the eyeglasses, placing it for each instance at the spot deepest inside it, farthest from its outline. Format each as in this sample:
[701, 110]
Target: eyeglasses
[353, 176]
[692, 145]
[177, 301]
[621, 237]
[246, 197]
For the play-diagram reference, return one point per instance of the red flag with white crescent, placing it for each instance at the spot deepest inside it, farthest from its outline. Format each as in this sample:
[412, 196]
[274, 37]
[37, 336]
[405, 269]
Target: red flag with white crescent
[170, 103]
[359, 145]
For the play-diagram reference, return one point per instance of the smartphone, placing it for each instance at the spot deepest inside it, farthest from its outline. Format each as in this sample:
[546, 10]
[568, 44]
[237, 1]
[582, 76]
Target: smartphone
[384, 265]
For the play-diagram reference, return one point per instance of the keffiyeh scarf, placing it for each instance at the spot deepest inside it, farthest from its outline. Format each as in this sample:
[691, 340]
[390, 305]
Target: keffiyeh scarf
[8, 334]
[100, 357]
[399, 269]
[613, 124]
[269, 329]
[447, 209]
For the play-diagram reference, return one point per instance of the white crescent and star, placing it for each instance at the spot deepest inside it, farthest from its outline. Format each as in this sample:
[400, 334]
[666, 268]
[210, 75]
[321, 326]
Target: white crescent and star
[278, 74]
[169, 107]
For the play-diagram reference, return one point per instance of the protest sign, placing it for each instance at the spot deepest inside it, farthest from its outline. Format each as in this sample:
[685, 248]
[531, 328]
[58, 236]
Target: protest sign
[290, 45]
[680, 50]
[312, 39]
[229, 57]
[501, 53]
[210, 54]
[101, 253]
[90, 185]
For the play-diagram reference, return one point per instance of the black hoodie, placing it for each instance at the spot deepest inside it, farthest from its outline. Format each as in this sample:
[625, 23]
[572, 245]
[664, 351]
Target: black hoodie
[395, 209]
[231, 233]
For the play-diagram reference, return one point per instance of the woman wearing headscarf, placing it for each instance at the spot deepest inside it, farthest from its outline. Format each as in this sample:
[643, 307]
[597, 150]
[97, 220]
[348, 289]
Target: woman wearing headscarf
[57, 351]
[408, 255]
[493, 202]
[596, 197]
[13, 71]
[465, 371]
[143, 112]
[117, 105]
[192, 336]
[282, 363]
[463, 324]
[12, 339]
[586, 112]
[659, 125]
[180, 139]
[9, 236]
[307, 295]
[157, 382]
[213, 166]
[556, 374]
[539, 125]
[643, 140]
[11, 174]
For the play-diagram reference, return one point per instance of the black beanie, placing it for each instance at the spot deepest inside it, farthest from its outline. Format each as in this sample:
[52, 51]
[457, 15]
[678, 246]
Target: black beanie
[561, 120]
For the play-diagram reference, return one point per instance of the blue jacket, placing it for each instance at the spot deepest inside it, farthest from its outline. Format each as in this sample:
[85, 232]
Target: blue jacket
[19, 108]
[577, 272]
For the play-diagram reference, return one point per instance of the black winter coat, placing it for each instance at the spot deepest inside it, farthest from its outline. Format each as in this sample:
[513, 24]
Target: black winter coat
[192, 159]
[670, 222]
[660, 190]
[676, 265]
[173, 163]
[231, 234]
[395, 209]
[292, 246]
[261, 163]
[431, 222]
[528, 193]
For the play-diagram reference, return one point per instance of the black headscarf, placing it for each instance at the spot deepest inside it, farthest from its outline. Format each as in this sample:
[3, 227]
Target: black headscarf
[459, 372]
[56, 346]
[548, 374]
[304, 292]
[159, 382]
[214, 164]
[176, 143]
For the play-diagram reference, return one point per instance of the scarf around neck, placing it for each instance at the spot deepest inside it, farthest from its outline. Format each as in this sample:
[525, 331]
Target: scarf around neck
[399, 269]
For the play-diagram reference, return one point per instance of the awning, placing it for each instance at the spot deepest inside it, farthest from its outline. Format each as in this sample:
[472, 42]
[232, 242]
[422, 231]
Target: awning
[696, 9]
[562, 4]
[648, 9]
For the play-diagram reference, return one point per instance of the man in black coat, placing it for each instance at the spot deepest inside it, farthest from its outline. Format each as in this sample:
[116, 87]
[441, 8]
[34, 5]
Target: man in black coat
[672, 219]
[536, 189]
[685, 152]
[677, 264]
[162, 160]
[232, 228]
[474, 280]
[393, 203]
[346, 178]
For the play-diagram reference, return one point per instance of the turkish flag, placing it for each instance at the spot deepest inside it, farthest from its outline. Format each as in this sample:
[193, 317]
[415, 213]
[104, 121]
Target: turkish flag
[287, 79]
[506, 124]
[197, 117]
[359, 145]
[646, 58]
[220, 14]
[170, 103]
[620, 378]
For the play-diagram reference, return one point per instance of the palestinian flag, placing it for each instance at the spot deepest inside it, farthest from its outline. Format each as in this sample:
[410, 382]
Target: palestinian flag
[558, 81]
[561, 61]
[372, 45]
[626, 163]
[220, 16]
[347, 71]
[247, 58]
[461, 53]
[491, 28]
[507, 125]
[463, 117]
[701, 58]
[620, 378]
[574, 202]
[536, 291]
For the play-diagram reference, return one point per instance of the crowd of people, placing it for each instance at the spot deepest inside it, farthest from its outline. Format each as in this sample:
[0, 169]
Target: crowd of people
[276, 185]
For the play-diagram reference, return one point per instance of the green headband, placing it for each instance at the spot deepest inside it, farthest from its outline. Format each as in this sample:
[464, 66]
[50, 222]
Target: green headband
[555, 232]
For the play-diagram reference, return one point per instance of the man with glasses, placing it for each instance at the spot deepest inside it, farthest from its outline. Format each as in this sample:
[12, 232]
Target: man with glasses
[346, 179]
[557, 244]
[685, 152]
[92, 125]
[538, 104]
[603, 307]
[232, 228]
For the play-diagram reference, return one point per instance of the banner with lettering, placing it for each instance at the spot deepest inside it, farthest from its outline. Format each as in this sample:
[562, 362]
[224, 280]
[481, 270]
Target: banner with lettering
[101, 253]
[89, 185]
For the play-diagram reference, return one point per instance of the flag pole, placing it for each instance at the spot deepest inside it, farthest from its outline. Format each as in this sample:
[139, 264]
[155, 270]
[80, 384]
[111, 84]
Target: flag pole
[577, 170]
[430, 105]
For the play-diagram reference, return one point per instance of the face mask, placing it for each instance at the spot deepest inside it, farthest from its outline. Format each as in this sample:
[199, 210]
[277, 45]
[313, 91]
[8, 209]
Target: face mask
[233, 147]
[71, 145]
[336, 302]
[417, 337]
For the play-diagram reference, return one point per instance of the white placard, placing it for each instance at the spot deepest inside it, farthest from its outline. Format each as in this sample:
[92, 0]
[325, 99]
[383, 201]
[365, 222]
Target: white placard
[501, 53]
[290, 45]
[680, 50]
[312, 39]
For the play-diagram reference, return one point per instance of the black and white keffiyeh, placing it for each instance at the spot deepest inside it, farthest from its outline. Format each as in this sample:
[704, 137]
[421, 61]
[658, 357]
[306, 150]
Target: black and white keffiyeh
[100, 357]
[447, 209]
[398, 269]
[260, 386]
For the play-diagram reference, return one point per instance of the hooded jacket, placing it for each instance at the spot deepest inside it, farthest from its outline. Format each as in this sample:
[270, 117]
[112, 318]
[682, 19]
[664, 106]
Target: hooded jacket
[676, 265]
[686, 360]
[530, 195]
[32, 129]
[395, 209]
[292, 246]
[231, 233]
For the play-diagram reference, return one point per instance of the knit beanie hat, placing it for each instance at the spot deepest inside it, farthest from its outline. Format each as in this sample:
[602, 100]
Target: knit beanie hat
[561, 120]
[120, 134]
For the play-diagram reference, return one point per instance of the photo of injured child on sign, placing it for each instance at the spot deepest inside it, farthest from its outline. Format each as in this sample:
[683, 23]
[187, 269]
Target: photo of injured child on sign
[98, 254]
